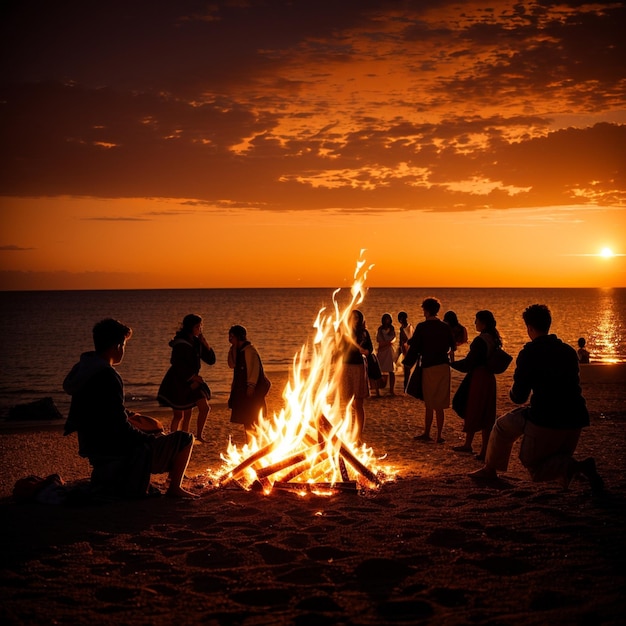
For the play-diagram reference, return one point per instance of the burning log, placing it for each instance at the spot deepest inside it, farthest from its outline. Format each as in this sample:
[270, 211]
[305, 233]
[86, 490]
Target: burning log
[326, 427]
[300, 457]
[347, 486]
[253, 458]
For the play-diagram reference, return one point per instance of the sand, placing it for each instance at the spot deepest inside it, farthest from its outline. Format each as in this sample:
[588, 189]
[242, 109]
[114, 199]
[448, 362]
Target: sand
[431, 547]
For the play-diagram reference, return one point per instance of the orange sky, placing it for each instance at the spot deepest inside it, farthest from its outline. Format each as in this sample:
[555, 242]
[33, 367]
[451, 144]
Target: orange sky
[266, 143]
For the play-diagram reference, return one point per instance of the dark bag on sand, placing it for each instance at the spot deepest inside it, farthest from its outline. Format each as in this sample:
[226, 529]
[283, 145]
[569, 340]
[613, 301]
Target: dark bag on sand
[373, 368]
[414, 386]
[499, 361]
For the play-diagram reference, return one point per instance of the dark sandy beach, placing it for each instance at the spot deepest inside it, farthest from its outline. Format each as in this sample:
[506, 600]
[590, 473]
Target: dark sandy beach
[430, 547]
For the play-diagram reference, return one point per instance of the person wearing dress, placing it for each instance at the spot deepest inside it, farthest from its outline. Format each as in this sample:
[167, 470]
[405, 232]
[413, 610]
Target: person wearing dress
[433, 344]
[406, 332]
[250, 385]
[355, 347]
[182, 387]
[386, 353]
[475, 399]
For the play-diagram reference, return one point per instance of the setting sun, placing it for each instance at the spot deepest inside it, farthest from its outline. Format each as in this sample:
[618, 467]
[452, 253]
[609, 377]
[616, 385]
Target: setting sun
[606, 253]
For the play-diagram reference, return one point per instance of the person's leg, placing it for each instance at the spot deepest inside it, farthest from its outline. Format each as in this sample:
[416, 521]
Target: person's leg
[439, 414]
[186, 420]
[203, 413]
[428, 422]
[177, 473]
[506, 431]
[392, 383]
[482, 455]
[176, 417]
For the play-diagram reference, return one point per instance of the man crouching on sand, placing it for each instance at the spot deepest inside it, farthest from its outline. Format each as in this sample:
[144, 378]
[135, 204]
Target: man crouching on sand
[551, 423]
[122, 456]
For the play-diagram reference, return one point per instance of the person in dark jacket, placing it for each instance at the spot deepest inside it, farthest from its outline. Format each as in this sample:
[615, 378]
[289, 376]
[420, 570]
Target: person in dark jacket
[550, 425]
[182, 387]
[122, 457]
[432, 346]
[250, 385]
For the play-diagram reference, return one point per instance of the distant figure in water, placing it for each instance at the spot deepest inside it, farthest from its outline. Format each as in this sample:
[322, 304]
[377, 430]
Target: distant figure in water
[583, 353]
[458, 330]
[182, 387]
[550, 425]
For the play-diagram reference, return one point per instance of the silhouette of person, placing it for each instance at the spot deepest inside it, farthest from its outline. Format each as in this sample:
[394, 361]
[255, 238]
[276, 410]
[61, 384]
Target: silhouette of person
[475, 399]
[433, 343]
[582, 352]
[250, 385]
[458, 330]
[405, 332]
[550, 425]
[122, 457]
[354, 382]
[386, 339]
[182, 387]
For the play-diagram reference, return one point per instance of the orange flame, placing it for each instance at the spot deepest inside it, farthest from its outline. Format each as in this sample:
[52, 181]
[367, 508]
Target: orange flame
[311, 441]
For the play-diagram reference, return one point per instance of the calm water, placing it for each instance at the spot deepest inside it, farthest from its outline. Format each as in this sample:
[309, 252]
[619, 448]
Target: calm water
[43, 333]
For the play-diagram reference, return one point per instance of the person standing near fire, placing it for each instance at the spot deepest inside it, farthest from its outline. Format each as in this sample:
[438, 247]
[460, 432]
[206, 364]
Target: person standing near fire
[406, 332]
[355, 348]
[250, 385]
[433, 343]
[386, 340]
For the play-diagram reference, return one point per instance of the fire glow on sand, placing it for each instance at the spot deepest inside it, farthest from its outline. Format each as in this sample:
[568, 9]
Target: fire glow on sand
[310, 447]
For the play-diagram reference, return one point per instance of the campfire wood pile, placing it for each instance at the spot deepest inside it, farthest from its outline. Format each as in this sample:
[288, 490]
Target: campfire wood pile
[318, 446]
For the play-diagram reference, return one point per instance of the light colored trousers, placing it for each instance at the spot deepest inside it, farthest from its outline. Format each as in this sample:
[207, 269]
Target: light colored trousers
[545, 452]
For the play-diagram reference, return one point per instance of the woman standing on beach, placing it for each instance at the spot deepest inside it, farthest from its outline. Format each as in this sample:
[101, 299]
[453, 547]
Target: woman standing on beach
[250, 385]
[386, 339]
[475, 399]
[458, 330]
[354, 383]
[182, 387]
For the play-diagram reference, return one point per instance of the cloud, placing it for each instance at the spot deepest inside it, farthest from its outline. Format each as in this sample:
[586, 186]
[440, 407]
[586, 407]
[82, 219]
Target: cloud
[299, 105]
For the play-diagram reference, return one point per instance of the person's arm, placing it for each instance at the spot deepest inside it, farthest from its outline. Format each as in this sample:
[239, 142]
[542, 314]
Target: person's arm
[413, 353]
[522, 382]
[253, 368]
[232, 357]
[476, 356]
[206, 352]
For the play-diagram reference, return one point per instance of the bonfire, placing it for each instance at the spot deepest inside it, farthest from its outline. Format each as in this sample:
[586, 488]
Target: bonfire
[310, 447]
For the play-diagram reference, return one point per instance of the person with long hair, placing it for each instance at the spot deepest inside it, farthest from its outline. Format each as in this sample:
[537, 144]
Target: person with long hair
[475, 399]
[386, 339]
[354, 382]
[182, 387]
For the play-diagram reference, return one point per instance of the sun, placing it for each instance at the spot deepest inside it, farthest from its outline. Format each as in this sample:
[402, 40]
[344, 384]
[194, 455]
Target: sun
[607, 253]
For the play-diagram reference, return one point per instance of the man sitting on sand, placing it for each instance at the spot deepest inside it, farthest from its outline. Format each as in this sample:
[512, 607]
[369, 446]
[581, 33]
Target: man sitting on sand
[122, 457]
[552, 422]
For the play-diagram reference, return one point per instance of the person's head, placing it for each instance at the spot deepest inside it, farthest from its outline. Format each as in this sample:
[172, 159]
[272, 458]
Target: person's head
[191, 325]
[431, 306]
[109, 338]
[485, 320]
[538, 318]
[237, 334]
[386, 319]
[403, 317]
[581, 342]
[450, 318]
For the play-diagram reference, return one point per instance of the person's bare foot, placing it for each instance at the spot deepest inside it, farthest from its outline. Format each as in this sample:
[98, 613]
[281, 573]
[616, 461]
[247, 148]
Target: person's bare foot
[179, 492]
[484, 473]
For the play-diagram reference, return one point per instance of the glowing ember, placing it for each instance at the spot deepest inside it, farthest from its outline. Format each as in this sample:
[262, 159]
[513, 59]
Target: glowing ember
[309, 447]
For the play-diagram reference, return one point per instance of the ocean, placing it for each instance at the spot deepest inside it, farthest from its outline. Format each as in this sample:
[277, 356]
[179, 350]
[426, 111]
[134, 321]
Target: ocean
[44, 332]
